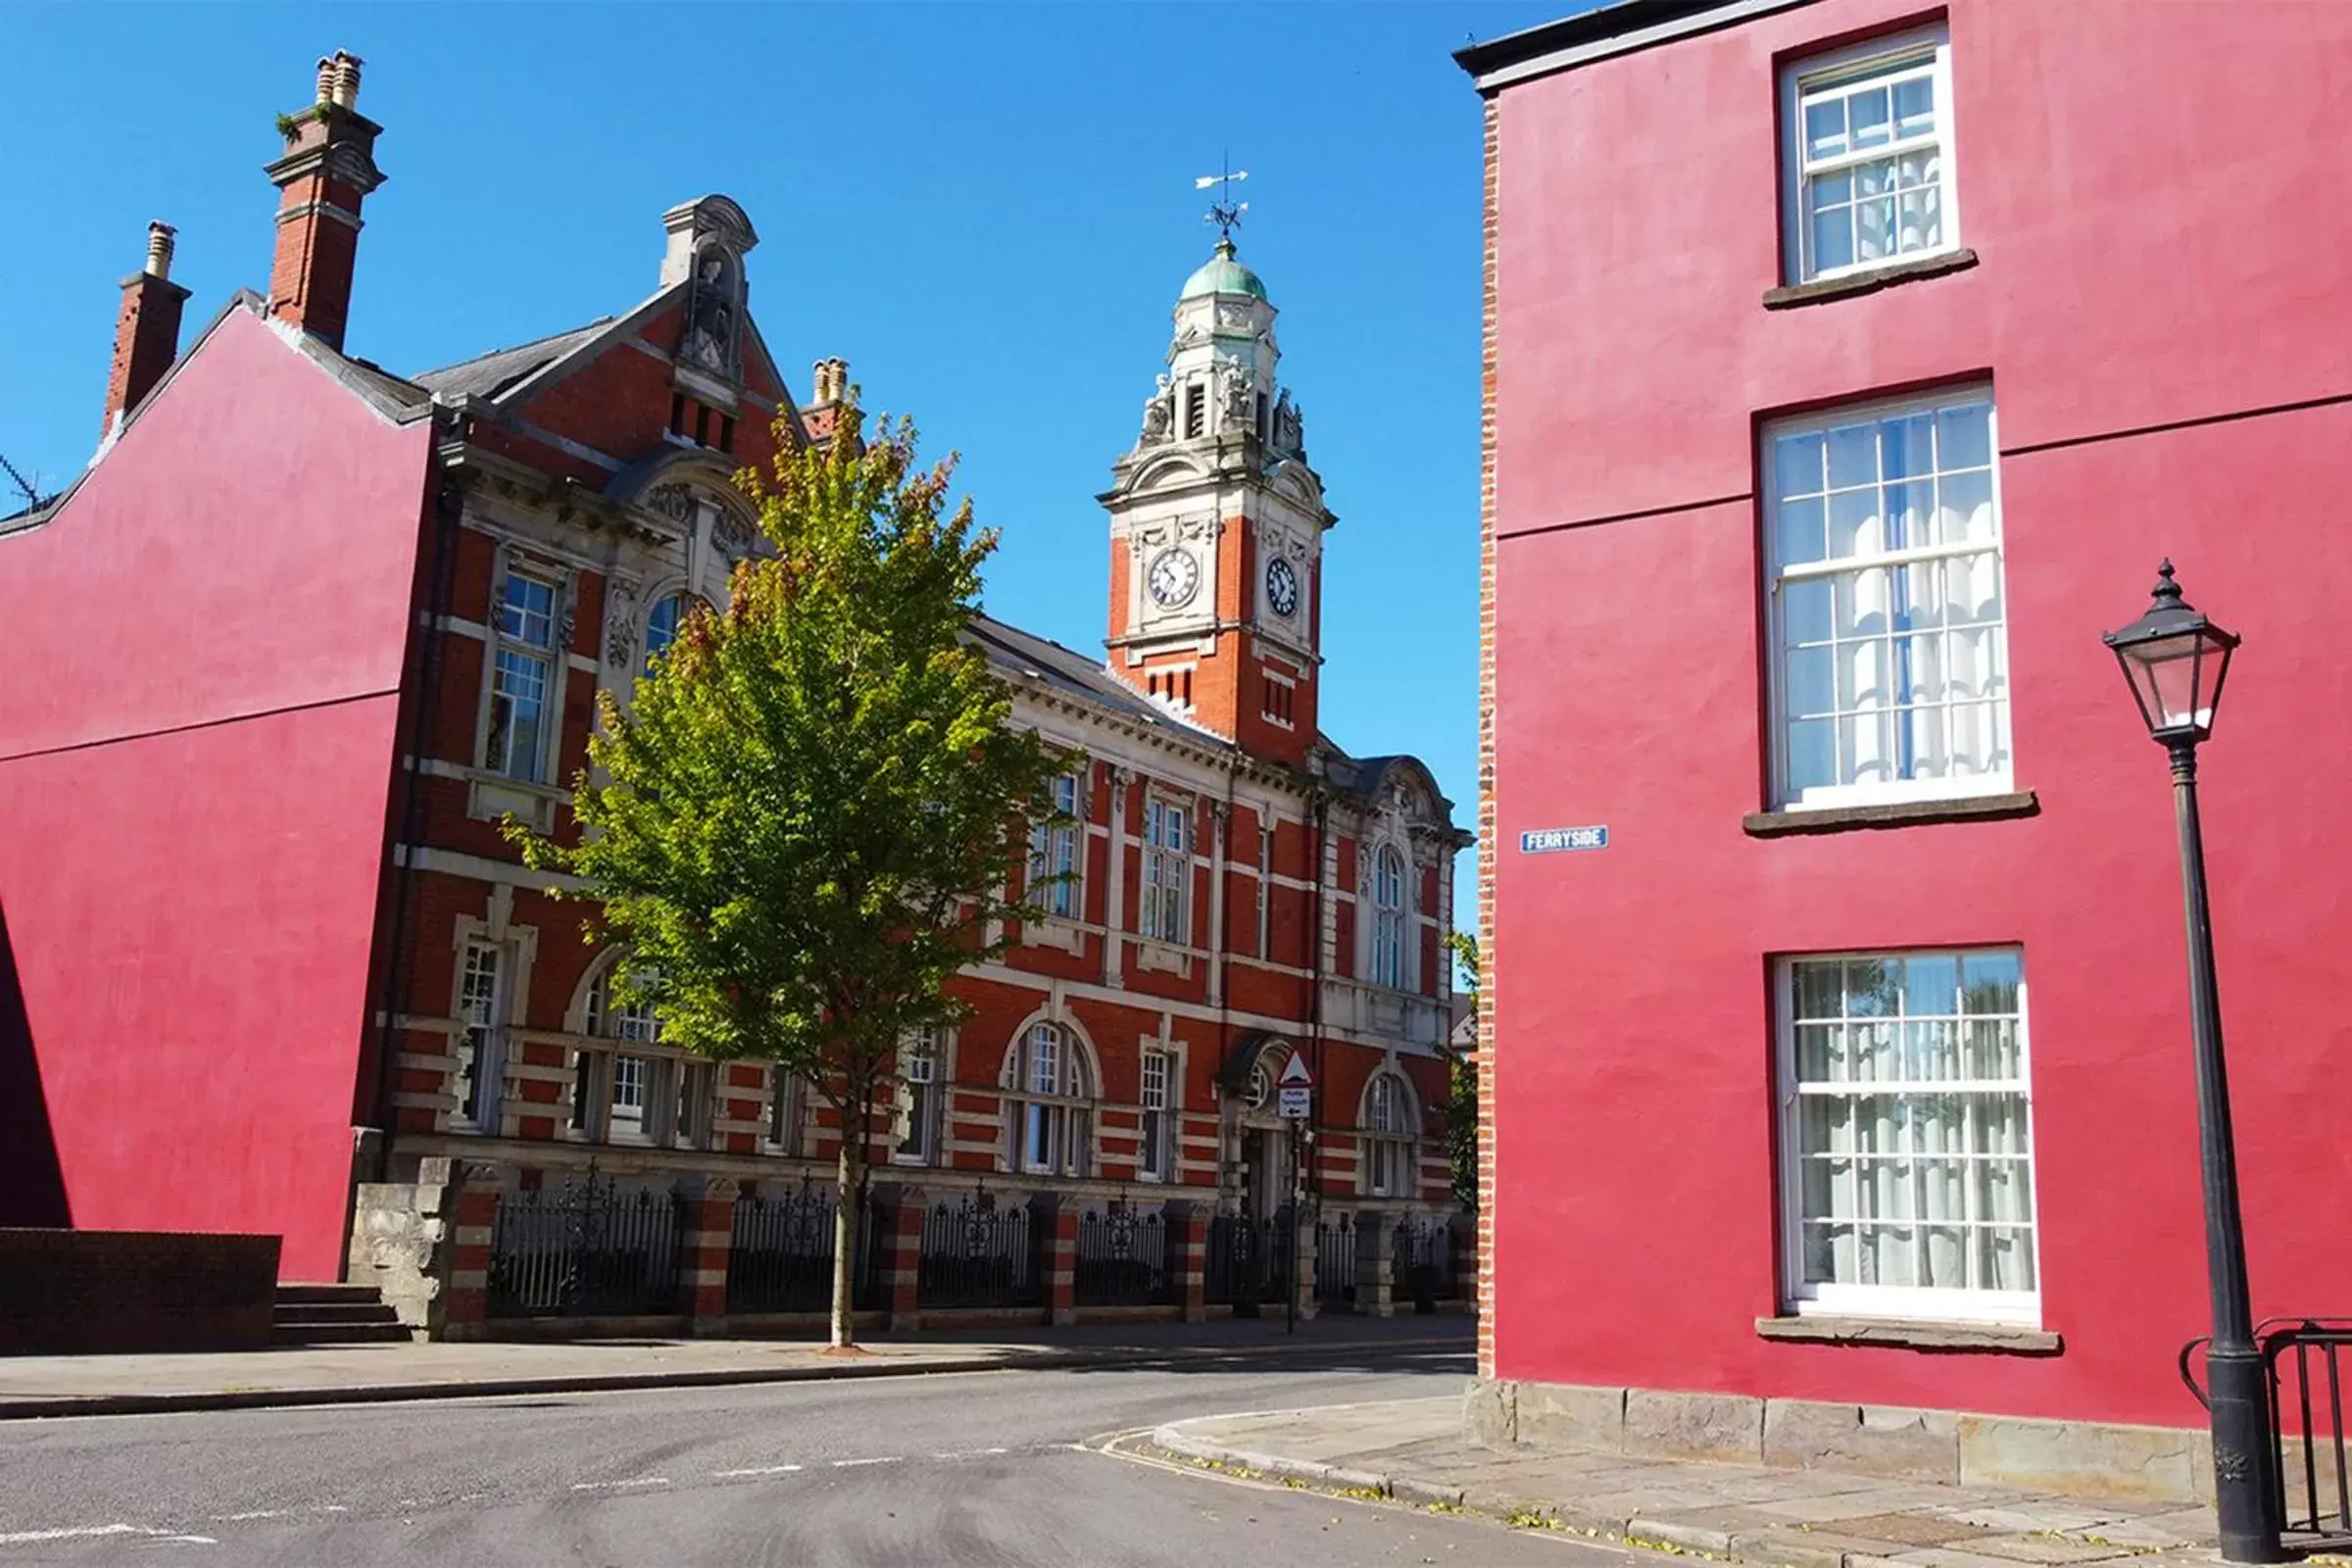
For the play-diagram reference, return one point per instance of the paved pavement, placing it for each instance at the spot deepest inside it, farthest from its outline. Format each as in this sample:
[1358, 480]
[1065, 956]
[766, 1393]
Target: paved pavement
[987, 1470]
[1414, 1449]
[118, 1384]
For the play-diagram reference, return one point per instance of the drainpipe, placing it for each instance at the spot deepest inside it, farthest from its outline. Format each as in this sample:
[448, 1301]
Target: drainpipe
[449, 504]
[1319, 806]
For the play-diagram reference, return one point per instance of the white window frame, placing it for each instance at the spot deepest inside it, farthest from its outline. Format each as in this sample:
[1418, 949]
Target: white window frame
[685, 603]
[1920, 1302]
[500, 755]
[1049, 1107]
[617, 1028]
[1167, 890]
[1389, 1138]
[1059, 847]
[781, 1132]
[479, 1043]
[1155, 1115]
[1390, 906]
[921, 1058]
[1897, 53]
[1778, 573]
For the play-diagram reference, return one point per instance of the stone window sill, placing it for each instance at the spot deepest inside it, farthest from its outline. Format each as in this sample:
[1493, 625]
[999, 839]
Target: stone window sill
[1847, 284]
[1911, 1334]
[1892, 813]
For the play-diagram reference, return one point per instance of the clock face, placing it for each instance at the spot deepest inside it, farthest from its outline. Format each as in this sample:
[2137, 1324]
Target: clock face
[1173, 576]
[1281, 587]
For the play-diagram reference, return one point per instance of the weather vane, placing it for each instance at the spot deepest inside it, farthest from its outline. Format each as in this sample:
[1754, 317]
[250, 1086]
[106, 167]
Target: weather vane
[1224, 211]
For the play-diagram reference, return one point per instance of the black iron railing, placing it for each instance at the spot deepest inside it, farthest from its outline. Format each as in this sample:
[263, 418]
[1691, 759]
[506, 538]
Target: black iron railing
[1334, 1261]
[2306, 1362]
[781, 1259]
[1122, 1260]
[977, 1254]
[1249, 1263]
[1420, 1262]
[584, 1249]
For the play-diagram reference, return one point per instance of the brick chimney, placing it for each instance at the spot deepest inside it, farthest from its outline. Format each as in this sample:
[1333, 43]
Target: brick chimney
[146, 332]
[327, 170]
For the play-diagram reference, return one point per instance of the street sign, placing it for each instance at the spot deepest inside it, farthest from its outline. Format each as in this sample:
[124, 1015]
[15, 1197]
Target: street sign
[1297, 1104]
[1295, 1074]
[1294, 1089]
[1554, 840]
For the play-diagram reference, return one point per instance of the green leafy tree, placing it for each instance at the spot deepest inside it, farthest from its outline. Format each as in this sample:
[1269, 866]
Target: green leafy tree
[1461, 1078]
[807, 823]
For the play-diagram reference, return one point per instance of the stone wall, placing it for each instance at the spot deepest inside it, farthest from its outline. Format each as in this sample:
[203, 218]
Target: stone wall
[67, 1292]
[2158, 1464]
[400, 1239]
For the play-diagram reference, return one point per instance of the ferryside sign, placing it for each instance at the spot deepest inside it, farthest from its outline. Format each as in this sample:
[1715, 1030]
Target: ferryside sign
[1554, 840]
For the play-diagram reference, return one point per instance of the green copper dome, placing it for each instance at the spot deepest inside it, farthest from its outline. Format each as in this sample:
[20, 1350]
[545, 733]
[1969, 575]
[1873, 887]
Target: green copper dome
[1222, 275]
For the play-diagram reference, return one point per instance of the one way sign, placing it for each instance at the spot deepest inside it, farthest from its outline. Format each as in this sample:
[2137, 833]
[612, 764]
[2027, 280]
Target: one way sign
[1294, 1089]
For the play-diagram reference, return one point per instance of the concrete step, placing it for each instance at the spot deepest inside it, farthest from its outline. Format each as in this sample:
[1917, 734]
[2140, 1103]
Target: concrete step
[339, 1332]
[288, 1294]
[325, 1312]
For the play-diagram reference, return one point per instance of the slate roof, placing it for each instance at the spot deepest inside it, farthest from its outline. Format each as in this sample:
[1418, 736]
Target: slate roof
[487, 375]
[1066, 669]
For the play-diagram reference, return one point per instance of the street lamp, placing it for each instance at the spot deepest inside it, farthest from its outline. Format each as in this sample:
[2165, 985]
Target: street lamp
[2175, 660]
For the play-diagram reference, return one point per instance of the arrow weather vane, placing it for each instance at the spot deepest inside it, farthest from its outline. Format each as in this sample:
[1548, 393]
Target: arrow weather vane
[1224, 211]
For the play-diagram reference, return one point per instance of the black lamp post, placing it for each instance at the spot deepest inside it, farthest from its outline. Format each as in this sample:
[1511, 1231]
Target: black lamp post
[2176, 661]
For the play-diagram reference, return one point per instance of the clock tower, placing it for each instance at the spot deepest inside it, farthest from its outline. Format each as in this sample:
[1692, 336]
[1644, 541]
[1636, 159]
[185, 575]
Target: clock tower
[1217, 528]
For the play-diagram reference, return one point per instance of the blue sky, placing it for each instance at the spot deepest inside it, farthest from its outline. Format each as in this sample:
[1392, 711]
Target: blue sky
[987, 209]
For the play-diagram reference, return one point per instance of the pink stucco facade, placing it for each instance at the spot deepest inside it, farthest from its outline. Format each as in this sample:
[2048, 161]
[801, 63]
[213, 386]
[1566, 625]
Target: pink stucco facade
[2158, 310]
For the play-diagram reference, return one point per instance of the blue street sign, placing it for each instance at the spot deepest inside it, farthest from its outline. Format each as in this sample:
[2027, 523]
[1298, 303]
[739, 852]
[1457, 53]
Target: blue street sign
[1551, 840]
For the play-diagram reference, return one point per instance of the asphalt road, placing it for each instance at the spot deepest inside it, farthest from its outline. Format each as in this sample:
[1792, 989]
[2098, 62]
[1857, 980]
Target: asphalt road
[969, 1470]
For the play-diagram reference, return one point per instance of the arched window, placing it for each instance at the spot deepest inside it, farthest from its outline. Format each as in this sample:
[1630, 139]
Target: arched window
[1051, 1122]
[1387, 1131]
[1387, 919]
[661, 625]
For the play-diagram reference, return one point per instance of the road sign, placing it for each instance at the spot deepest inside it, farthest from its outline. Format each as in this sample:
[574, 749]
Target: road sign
[1297, 1104]
[1295, 1074]
[1554, 840]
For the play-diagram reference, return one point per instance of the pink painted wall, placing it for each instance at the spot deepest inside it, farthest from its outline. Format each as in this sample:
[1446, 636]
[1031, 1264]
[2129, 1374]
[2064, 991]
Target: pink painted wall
[2133, 273]
[196, 742]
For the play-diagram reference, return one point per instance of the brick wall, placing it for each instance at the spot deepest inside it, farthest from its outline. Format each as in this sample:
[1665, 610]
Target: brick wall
[84, 1291]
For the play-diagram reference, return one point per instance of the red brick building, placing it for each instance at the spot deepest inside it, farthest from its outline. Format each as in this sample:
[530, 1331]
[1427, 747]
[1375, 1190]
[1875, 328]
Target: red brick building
[270, 942]
[1851, 365]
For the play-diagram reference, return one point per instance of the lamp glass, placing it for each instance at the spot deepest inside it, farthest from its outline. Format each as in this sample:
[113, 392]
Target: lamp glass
[2177, 679]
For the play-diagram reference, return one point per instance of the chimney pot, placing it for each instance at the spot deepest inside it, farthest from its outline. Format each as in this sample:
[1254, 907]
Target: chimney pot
[159, 250]
[326, 173]
[146, 331]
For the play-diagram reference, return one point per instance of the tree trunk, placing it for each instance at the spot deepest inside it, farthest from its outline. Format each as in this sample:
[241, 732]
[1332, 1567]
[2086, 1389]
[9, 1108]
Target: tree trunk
[849, 1173]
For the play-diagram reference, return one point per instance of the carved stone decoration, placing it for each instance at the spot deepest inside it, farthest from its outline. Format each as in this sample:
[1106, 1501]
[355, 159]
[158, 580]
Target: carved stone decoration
[712, 310]
[672, 501]
[621, 626]
[1234, 389]
[730, 535]
[1290, 425]
[1158, 418]
[567, 620]
[1232, 313]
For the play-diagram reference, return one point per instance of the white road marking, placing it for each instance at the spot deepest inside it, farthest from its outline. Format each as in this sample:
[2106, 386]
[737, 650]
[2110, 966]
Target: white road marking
[24, 1538]
[633, 1481]
[969, 1453]
[759, 1470]
[256, 1513]
[852, 1464]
